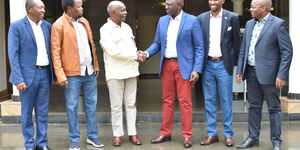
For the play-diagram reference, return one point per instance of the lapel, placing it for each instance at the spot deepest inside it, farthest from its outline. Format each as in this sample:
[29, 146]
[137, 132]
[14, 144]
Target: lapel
[29, 29]
[164, 26]
[183, 20]
[249, 32]
[206, 25]
[224, 23]
[266, 27]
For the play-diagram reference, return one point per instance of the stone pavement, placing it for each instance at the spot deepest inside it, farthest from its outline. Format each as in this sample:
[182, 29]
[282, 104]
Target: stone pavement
[11, 137]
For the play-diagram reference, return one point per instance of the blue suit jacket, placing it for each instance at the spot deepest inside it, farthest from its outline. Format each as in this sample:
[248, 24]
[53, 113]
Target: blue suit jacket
[230, 37]
[273, 50]
[189, 44]
[22, 50]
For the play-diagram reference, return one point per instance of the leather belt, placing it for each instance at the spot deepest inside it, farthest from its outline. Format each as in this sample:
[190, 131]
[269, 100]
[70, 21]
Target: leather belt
[41, 67]
[171, 58]
[252, 67]
[215, 59]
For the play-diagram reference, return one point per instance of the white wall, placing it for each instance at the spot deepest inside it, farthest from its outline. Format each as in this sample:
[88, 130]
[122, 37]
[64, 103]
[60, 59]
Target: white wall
[294, 33]
[3, 85]
[17, 11]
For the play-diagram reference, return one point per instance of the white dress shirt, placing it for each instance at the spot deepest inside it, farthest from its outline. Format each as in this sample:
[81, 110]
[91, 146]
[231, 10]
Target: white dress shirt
[84, 48]
[42, 56]
[215, 27]
[171, 49]
[119, 51]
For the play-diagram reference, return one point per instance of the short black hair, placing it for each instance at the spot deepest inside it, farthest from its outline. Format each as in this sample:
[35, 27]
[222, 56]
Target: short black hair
[29, 4]
[67, 3]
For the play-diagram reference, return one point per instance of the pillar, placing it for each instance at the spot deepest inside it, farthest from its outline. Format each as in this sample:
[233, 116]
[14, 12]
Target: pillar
[294, 24]
[238, 6]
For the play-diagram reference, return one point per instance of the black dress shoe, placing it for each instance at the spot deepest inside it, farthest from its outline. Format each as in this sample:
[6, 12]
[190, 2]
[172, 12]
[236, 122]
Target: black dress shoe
[249, 142]
[276, 146]
[43, 148]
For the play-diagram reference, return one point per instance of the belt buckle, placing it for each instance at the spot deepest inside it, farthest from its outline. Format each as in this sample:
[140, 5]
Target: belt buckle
[215, 59]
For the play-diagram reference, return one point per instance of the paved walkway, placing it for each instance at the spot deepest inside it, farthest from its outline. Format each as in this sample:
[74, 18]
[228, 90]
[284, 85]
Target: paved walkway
[11, 137]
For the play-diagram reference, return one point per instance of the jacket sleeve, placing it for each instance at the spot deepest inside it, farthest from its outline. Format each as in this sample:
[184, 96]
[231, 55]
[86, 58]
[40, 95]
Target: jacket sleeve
[286, 51]
[198, 46]
[236, 39]
[242, 54]
[13, 54]
[56, 46]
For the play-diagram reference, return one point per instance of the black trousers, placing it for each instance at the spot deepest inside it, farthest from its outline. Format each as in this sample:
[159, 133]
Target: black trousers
[256, 94]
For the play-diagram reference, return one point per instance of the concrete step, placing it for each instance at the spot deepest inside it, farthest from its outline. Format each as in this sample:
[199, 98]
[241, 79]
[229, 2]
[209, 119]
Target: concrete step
[153, 117]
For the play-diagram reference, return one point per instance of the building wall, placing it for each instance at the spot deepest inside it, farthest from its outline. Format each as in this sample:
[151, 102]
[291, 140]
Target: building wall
[3, 85]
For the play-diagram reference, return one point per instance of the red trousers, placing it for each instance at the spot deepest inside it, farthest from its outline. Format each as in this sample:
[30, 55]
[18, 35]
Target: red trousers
[173, 84]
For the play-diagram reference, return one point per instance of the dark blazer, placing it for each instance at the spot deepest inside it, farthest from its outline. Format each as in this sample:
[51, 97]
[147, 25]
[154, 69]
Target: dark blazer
[273, 50]
[22, 50]
[189, 44]
[230, 37]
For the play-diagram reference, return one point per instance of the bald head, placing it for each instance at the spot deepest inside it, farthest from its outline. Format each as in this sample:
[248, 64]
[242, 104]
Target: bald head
[264, 3]
[117, 11]
[113, 6]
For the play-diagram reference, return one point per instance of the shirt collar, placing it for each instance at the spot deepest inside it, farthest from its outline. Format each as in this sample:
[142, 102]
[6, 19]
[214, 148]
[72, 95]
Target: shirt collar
[219, 15]
[33, 23]
[265, 18]
[178, 17]
[113, 24]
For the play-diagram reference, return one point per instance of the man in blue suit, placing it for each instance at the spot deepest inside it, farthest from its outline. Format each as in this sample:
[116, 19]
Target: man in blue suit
[265, 58]
[31, 73]
[221, 33]
[179, 39]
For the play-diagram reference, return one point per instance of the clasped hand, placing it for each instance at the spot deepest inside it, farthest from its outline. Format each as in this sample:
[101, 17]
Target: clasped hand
[141, 56]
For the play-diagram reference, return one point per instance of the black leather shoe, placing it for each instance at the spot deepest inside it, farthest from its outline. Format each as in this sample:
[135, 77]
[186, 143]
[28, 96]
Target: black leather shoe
[276, 146]
[43, 148]
[249, 142]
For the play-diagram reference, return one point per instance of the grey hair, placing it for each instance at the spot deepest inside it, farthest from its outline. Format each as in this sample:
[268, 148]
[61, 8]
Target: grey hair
[113, 4]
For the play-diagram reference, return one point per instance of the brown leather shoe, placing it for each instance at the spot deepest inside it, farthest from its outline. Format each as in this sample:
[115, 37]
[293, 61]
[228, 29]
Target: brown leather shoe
[229, 142]
[117, 141]
[161, 139]
[209, 140]
[187, 142]
[135, 140]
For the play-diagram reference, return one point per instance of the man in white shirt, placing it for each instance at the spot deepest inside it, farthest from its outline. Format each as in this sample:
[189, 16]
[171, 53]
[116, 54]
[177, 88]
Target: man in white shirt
[121, 71]
[31, 71]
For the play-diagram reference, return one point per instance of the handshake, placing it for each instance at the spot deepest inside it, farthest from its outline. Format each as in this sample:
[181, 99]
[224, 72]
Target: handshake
[141, 56]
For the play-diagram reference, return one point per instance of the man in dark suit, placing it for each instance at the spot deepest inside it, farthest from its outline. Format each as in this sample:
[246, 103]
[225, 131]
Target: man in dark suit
[31, 71]
[265, 58]
[221, 33]
[179, 40]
